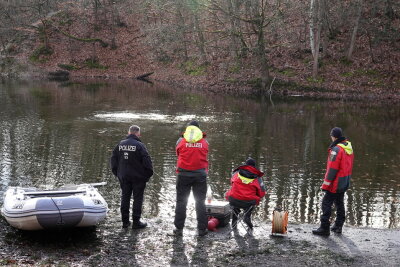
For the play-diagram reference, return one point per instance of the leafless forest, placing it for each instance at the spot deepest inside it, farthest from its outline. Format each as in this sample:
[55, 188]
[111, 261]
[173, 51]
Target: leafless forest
[339, 44]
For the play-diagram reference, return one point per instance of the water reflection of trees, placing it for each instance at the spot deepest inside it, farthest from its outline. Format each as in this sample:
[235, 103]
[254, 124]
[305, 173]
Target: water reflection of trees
[48, 137]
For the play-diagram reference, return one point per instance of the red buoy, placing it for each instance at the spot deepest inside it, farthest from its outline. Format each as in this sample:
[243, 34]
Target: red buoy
[212, 224]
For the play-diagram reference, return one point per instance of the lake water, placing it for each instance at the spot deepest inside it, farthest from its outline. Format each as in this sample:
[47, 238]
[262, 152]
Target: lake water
[53, 134]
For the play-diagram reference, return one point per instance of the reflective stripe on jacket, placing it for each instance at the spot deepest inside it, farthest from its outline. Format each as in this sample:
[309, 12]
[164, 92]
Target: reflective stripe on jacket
[192, 150]
[339, 168]
[246, 185]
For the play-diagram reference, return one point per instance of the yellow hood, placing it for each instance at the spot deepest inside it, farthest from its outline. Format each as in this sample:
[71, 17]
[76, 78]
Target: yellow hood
[193, 134]
[245, 180]
[347, 148]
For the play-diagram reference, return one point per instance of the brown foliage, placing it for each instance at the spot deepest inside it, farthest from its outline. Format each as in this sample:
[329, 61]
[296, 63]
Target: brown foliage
[164, 39]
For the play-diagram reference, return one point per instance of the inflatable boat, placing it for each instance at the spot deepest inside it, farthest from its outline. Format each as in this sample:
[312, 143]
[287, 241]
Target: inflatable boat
[68, 206]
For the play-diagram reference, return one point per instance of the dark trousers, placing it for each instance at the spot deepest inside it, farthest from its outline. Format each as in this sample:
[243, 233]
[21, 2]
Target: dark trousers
[130, 187]
[247, 215]
[183, 186]
[327, 202]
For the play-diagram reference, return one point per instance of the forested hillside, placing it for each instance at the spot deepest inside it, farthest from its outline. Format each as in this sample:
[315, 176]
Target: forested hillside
[310, 47]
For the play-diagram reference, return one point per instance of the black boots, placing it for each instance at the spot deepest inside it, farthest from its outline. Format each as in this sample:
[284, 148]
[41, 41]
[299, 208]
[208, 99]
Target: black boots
[321, 231]
[138, 225]
[126, 224]
[325, 231]
[135, 225]
[336, 229]
[202, 232]
[178, 232]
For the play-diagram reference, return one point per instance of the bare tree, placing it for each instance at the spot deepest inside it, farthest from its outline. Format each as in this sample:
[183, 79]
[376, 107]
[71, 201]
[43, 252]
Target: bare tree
[256, 16]
[200, 40]
[182, 27]
[316, 11]
[355, 30]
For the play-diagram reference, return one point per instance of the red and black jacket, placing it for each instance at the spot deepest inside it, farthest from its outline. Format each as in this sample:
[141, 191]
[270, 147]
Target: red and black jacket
[192, 156]
[246, 185]
[339, 166]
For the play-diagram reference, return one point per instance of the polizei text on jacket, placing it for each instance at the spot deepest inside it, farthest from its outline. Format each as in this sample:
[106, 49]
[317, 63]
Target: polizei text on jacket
[127, 148]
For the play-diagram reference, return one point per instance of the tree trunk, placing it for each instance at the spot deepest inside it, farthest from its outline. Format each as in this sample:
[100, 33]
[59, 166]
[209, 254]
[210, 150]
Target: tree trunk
[201, 40]
[233, 31]
[315, 31]
[263, 59]
[113, 23]
[371, 50]
[243, 47]
[96, 5]
[94, 57]
[324, 29]
[355, 29]
[316, 52]
[45, 36]
[181, 29]
[3, 43]
[312, 17]
[389, 12]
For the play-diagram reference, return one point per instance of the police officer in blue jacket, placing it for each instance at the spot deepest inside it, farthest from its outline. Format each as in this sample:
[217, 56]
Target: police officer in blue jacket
[131, 163]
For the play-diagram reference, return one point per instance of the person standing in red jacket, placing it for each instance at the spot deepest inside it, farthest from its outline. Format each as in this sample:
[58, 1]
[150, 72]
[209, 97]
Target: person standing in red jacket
[247, 188]
[336, 182]
[192, 169]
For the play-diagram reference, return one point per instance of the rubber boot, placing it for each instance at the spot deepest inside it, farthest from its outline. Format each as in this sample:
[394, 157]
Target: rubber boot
[126, 224]
[138, 225]
[178, 232]
[321, 231]
[202, 232]
[336, 229]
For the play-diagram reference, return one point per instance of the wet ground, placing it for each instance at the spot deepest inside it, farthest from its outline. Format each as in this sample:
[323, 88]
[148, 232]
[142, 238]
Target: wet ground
[110, 245]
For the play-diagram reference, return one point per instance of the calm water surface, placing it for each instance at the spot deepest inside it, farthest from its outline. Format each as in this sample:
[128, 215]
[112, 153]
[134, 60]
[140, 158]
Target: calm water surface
[54, 134]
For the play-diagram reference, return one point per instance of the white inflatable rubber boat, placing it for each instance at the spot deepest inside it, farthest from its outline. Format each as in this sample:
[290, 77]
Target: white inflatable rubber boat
[68, 206]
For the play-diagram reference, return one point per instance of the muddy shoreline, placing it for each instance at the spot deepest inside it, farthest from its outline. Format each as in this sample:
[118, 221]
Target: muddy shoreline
[287, 90]
[214, 85]
[280, 88]
[108, 244]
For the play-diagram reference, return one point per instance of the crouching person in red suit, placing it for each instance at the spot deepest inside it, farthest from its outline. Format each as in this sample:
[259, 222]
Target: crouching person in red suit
[247, 188]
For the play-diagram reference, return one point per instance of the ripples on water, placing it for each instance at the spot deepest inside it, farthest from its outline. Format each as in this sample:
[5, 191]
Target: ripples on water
[52, 135]
[129, 116]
